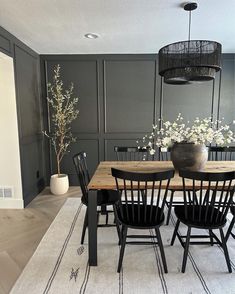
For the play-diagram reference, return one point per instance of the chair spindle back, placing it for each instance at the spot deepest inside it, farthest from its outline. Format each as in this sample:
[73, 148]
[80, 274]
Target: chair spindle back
[132, 154]
[132, 186]
[221, 153]
[164, 154]
[211, 195]
[80, 164]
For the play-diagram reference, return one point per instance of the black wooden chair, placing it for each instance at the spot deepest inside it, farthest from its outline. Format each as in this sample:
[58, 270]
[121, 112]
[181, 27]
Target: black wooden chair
[132, 153]
[201, 211]
[231, 225]
[132, 213]
[104, 197]
[217, 153]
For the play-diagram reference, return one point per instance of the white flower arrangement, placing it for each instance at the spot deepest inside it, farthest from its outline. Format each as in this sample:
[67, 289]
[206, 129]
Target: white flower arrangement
[202, 131]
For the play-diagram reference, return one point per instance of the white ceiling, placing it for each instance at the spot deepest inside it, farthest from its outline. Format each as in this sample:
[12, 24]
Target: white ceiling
[124, 26]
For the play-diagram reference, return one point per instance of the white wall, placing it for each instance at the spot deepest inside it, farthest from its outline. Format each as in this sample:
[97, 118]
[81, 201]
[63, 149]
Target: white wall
[10, 172]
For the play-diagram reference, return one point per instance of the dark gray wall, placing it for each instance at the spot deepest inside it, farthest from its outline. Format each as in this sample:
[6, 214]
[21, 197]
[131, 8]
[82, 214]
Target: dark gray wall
[119, 99]
[27, 83]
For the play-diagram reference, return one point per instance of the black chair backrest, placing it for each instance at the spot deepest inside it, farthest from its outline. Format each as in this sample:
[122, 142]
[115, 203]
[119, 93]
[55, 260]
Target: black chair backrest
[133, 186]
[211, 195]
[80, 164]
[221, 153]
[132, 153]
[164, 154]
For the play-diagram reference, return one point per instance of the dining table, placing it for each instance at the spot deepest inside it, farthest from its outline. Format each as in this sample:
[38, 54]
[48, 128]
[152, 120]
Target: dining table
[102, 179]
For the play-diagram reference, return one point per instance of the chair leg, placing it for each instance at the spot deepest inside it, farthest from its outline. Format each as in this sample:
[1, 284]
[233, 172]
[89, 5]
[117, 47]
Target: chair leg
[121, 234]
[175, 232]
[143, 196]
[211, 237]
[85, 224]
[116, 222]
[229, 232]
[103, 209]
[224, 245]
[161, 249]
[186, 250]
[233, 235]
[122, 248]
[107, 218]
[118, 231]
[169, 208]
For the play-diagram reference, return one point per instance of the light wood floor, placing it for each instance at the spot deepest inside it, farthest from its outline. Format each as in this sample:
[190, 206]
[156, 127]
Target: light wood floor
[21, 231]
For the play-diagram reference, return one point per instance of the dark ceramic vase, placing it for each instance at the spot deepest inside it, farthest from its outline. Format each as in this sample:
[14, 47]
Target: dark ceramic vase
[189, 156]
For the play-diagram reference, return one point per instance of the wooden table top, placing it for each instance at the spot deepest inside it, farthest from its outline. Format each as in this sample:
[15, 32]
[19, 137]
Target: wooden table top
[102, 178]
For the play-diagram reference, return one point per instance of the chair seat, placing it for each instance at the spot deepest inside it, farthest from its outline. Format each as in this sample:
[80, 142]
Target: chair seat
[205, 218]
[130, 214]
[104, 197]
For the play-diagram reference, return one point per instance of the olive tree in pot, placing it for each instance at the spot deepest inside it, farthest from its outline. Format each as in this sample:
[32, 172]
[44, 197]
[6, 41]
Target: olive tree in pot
[63, 111]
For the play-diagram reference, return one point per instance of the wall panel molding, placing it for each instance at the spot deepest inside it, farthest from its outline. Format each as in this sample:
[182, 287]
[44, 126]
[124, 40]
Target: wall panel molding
[27, 87]
[28, 104]
[69, 73]
[129, 93]
[5, 44]
[115, 129]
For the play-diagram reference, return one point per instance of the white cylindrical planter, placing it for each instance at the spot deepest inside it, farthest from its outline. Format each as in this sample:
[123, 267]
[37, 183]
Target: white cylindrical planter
[59, 184]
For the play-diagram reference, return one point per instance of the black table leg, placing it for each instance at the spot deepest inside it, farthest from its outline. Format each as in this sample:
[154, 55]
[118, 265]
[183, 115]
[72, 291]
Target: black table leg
[92, 227]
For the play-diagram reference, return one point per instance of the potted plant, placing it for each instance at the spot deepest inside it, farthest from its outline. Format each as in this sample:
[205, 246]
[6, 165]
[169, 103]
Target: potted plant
[188, 141]
[63, 111]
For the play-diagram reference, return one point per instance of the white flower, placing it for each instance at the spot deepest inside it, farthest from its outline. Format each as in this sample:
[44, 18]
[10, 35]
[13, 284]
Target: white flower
[166, 141]
[152, 152]
[202, 131]
[167, 123]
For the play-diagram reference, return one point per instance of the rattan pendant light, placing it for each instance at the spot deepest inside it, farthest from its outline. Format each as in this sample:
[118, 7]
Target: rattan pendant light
[189, 61]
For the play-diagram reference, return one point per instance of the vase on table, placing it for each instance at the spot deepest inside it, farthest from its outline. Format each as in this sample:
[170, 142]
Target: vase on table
[59, 184]
[189, 156]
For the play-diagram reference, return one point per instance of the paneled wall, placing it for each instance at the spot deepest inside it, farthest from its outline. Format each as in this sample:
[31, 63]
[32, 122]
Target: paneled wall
[119, 100]
[28, 101]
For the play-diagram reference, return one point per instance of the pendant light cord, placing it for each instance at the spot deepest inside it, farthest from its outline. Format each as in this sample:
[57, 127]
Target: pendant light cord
[189, 31]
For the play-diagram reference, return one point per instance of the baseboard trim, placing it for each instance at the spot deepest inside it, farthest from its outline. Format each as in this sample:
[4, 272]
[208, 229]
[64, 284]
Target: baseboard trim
[11, 203]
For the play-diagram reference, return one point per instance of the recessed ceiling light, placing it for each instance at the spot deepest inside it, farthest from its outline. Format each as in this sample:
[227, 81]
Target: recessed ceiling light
[91, 36]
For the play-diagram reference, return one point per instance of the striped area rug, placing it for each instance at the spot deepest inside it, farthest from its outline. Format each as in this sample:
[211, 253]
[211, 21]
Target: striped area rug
[59, 265]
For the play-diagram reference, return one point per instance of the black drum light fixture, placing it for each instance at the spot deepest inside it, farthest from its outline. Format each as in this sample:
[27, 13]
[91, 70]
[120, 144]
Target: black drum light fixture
[189, 61]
